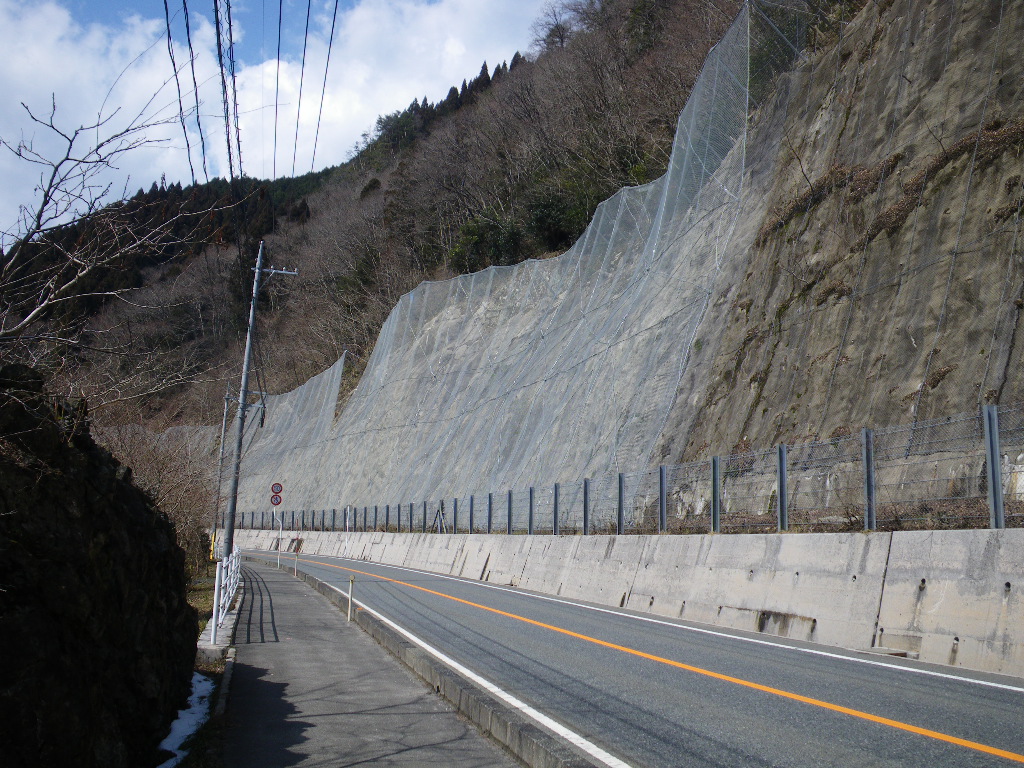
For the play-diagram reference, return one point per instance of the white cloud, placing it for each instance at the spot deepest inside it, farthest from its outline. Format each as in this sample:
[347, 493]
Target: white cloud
[385, 54]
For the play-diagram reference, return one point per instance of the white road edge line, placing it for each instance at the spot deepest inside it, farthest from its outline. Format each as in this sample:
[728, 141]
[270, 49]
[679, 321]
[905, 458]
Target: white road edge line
[571, 736]
[698, 630]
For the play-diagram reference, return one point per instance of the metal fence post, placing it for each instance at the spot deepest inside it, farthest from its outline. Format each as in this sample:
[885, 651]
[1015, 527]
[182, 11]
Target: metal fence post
[662, 498]
[554, 513]
[375, 517]
[218, 580]
[471, 513]
[716, 494]
[334, 520]
[490, 510]
[994, 470]
[455, 515]
[508, 528]
[529, 520]
[292, 526]
[781, 490]
[424, 516]
[365, 518]
[620, 516]
[867, 448]
[387, 517]
[586, 507]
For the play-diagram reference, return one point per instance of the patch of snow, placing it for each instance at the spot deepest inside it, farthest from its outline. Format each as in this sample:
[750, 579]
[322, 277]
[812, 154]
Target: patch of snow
[189, 719]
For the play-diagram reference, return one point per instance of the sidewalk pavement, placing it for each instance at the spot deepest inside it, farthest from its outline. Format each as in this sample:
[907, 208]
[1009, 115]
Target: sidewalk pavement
[310, 689]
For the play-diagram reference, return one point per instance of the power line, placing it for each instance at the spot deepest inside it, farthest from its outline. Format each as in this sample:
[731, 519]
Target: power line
[234, 87]
[195, 86]
[302, 75]
[223, 87]
[277, 82]
[177, 82]
[323, 91]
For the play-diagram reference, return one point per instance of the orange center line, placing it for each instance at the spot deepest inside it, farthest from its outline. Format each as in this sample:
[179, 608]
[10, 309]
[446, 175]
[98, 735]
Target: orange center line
[938, 736]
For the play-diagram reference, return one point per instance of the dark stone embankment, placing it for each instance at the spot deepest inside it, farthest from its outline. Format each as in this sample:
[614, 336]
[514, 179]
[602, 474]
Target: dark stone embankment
[96, 637]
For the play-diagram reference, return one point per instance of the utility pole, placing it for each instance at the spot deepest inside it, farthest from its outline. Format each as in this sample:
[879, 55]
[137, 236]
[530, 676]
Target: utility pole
[220, 463]
[243, 400]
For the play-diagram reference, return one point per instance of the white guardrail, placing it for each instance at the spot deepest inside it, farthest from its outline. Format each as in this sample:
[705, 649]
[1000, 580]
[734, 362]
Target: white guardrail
[229, 573]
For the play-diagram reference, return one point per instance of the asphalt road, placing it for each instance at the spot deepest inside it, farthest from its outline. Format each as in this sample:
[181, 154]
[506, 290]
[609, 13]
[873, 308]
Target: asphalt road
[655, 692]
[311, 690]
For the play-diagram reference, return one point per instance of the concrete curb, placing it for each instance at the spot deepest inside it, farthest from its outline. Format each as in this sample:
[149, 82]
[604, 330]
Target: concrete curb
[533, 746]
[225, 683]
[209, 653]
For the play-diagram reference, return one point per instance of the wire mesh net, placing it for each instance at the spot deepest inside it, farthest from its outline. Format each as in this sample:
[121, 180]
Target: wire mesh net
[1011, 443]
[778, 283]
[826, 485]
[932, 474]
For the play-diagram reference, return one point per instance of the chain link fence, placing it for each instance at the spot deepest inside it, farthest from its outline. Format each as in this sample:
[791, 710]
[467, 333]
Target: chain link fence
[932, 475]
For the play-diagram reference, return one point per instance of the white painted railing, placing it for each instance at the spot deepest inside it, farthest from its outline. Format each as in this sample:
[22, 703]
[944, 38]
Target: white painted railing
[225, 586]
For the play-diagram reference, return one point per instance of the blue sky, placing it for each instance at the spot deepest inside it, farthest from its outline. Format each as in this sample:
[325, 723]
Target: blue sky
[109, 60]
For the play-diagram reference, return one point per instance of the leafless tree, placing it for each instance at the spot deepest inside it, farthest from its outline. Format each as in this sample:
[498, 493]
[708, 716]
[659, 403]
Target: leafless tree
[40, 270]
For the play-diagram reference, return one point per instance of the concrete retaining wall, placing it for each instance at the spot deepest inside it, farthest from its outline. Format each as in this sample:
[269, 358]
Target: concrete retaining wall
[952, 597]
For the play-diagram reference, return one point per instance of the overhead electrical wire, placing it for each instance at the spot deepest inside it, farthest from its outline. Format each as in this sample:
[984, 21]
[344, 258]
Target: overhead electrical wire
[177, 83]
[195, 87]
[323, 91]
[302, 75]
[223, 86]
[277, 82]
[234, 88]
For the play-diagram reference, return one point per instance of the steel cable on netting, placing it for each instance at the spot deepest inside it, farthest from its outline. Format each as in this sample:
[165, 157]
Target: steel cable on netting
[940, 323]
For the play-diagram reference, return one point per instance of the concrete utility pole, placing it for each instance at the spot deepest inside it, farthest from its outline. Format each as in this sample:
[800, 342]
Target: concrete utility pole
[243, 400]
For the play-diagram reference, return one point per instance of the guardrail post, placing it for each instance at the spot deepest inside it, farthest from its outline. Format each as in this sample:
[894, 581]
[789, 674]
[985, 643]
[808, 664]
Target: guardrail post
[490, 510]
[387, 517]
[375, 517]
[508, 528]
[218, 584]
[455, 515]
[365, 518]
[529, 520]
[471, 513]
[994, 470]
[867, 452]
[292, 526]
[424, 516]
[554, 513]
[620, 517]
[662, 498]
[781, 489]
[586, 507]
[716, 494]
[334, 520]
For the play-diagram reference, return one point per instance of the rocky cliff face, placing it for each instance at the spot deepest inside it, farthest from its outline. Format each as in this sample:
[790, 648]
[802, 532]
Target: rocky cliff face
[885, 282]
[96, 636]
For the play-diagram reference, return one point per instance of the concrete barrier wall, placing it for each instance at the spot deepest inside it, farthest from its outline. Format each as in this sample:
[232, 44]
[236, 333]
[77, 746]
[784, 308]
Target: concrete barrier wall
[951, 597]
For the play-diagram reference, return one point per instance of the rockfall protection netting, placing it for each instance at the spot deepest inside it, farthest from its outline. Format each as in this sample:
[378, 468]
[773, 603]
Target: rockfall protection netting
[834, 245]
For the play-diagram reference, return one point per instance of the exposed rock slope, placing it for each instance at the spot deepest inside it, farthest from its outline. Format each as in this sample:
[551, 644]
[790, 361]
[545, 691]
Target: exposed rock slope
[835, 245]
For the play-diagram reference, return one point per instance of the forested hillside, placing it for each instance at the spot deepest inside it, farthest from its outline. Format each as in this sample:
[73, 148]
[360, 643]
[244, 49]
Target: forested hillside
[509, 165]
